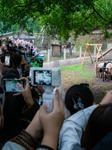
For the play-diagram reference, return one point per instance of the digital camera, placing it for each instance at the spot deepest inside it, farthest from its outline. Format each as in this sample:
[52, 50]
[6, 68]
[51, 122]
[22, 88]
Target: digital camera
[45, 76]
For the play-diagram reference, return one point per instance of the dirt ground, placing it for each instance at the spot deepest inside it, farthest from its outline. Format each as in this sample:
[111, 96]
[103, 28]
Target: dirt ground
[97, 85]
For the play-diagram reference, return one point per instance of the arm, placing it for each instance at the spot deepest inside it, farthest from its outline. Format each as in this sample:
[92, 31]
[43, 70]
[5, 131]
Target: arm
[30, 113]
[73, 127]
[50, 123]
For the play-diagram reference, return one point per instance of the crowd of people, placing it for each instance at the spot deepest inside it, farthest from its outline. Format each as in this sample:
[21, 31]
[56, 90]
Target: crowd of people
[26, 124]
[17, 45]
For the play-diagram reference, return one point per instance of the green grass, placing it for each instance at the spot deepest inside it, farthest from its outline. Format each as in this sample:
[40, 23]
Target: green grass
[82, 70]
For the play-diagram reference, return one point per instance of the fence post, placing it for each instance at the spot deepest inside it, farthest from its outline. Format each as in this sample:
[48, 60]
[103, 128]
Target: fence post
[80, 54]
[48, 55]
[94, 52]
[64, 53]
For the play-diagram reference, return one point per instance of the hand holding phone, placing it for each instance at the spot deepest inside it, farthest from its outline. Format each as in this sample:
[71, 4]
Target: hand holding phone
[26, 92]
[11, 85]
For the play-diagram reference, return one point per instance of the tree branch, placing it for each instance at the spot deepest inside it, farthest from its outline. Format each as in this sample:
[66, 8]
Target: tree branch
[87, 17]
[98, 13]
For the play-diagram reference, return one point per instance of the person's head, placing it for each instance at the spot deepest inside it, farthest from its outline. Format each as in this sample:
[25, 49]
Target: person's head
[10, 73]
[15, 60]
[99, 124]
[78, 97]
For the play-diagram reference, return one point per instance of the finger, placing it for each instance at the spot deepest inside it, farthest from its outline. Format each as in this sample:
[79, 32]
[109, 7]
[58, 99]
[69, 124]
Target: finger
[40, 89]
[16, 94]
[62, 106]
[23, 78]
[56, 100]
[27, 81]
[20, 86]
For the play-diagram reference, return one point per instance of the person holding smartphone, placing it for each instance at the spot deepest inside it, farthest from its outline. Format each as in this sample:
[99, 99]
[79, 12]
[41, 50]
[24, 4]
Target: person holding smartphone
[50, 123]
[18, 111]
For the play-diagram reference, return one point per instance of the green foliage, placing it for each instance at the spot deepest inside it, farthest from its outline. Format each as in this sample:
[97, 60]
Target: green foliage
[59, 18]
[32, 26]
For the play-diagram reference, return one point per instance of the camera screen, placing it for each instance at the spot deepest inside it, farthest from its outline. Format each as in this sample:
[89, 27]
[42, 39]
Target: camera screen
[43, 77]
[36, 63]
[11, 85]
[7, 60]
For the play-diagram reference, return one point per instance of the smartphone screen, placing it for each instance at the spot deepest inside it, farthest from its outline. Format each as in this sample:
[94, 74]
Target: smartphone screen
[10, 85]
[42, 77]
[7, 60]
[28, 59]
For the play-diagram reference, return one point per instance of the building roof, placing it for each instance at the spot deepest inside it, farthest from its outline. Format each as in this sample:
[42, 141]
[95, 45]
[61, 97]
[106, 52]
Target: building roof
[24, 37]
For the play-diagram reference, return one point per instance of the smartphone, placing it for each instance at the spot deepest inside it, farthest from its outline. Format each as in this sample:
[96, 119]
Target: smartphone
[36, 63]
[10, 85]
[43, 77]
[28, 59]
[7, 60]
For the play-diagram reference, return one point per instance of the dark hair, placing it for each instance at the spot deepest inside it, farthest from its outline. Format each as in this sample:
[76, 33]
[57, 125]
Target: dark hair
[10, 73]
[99, 124]
[15, 60]
[78, 97]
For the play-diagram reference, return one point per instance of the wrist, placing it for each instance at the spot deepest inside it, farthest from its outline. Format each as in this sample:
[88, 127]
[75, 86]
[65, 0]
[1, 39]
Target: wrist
[25, 140]
[34, 129]
[29, 101]
[34, 133]
[50, 140]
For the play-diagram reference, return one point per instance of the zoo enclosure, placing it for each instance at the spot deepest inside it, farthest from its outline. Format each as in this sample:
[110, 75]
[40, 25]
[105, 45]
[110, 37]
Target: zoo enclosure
[75, 52]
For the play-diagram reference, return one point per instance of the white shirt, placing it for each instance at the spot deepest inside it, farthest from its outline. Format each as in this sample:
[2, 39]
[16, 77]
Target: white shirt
[73, 127]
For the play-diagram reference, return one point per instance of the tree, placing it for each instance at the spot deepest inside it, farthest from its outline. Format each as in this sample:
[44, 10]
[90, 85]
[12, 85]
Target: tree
[60, 17]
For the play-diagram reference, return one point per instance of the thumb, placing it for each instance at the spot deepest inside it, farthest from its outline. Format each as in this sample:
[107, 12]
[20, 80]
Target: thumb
[43, 110]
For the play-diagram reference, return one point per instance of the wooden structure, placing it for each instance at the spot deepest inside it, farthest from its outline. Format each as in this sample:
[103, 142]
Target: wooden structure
[106, 52]
[98, 46]
[56, 50]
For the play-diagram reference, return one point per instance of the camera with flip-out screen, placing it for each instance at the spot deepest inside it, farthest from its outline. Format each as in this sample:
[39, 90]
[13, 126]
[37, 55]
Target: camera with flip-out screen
[45, 76]
[49, 78]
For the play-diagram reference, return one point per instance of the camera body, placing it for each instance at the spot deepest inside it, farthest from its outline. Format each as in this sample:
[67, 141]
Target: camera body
[48, 78]
[45, 76]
